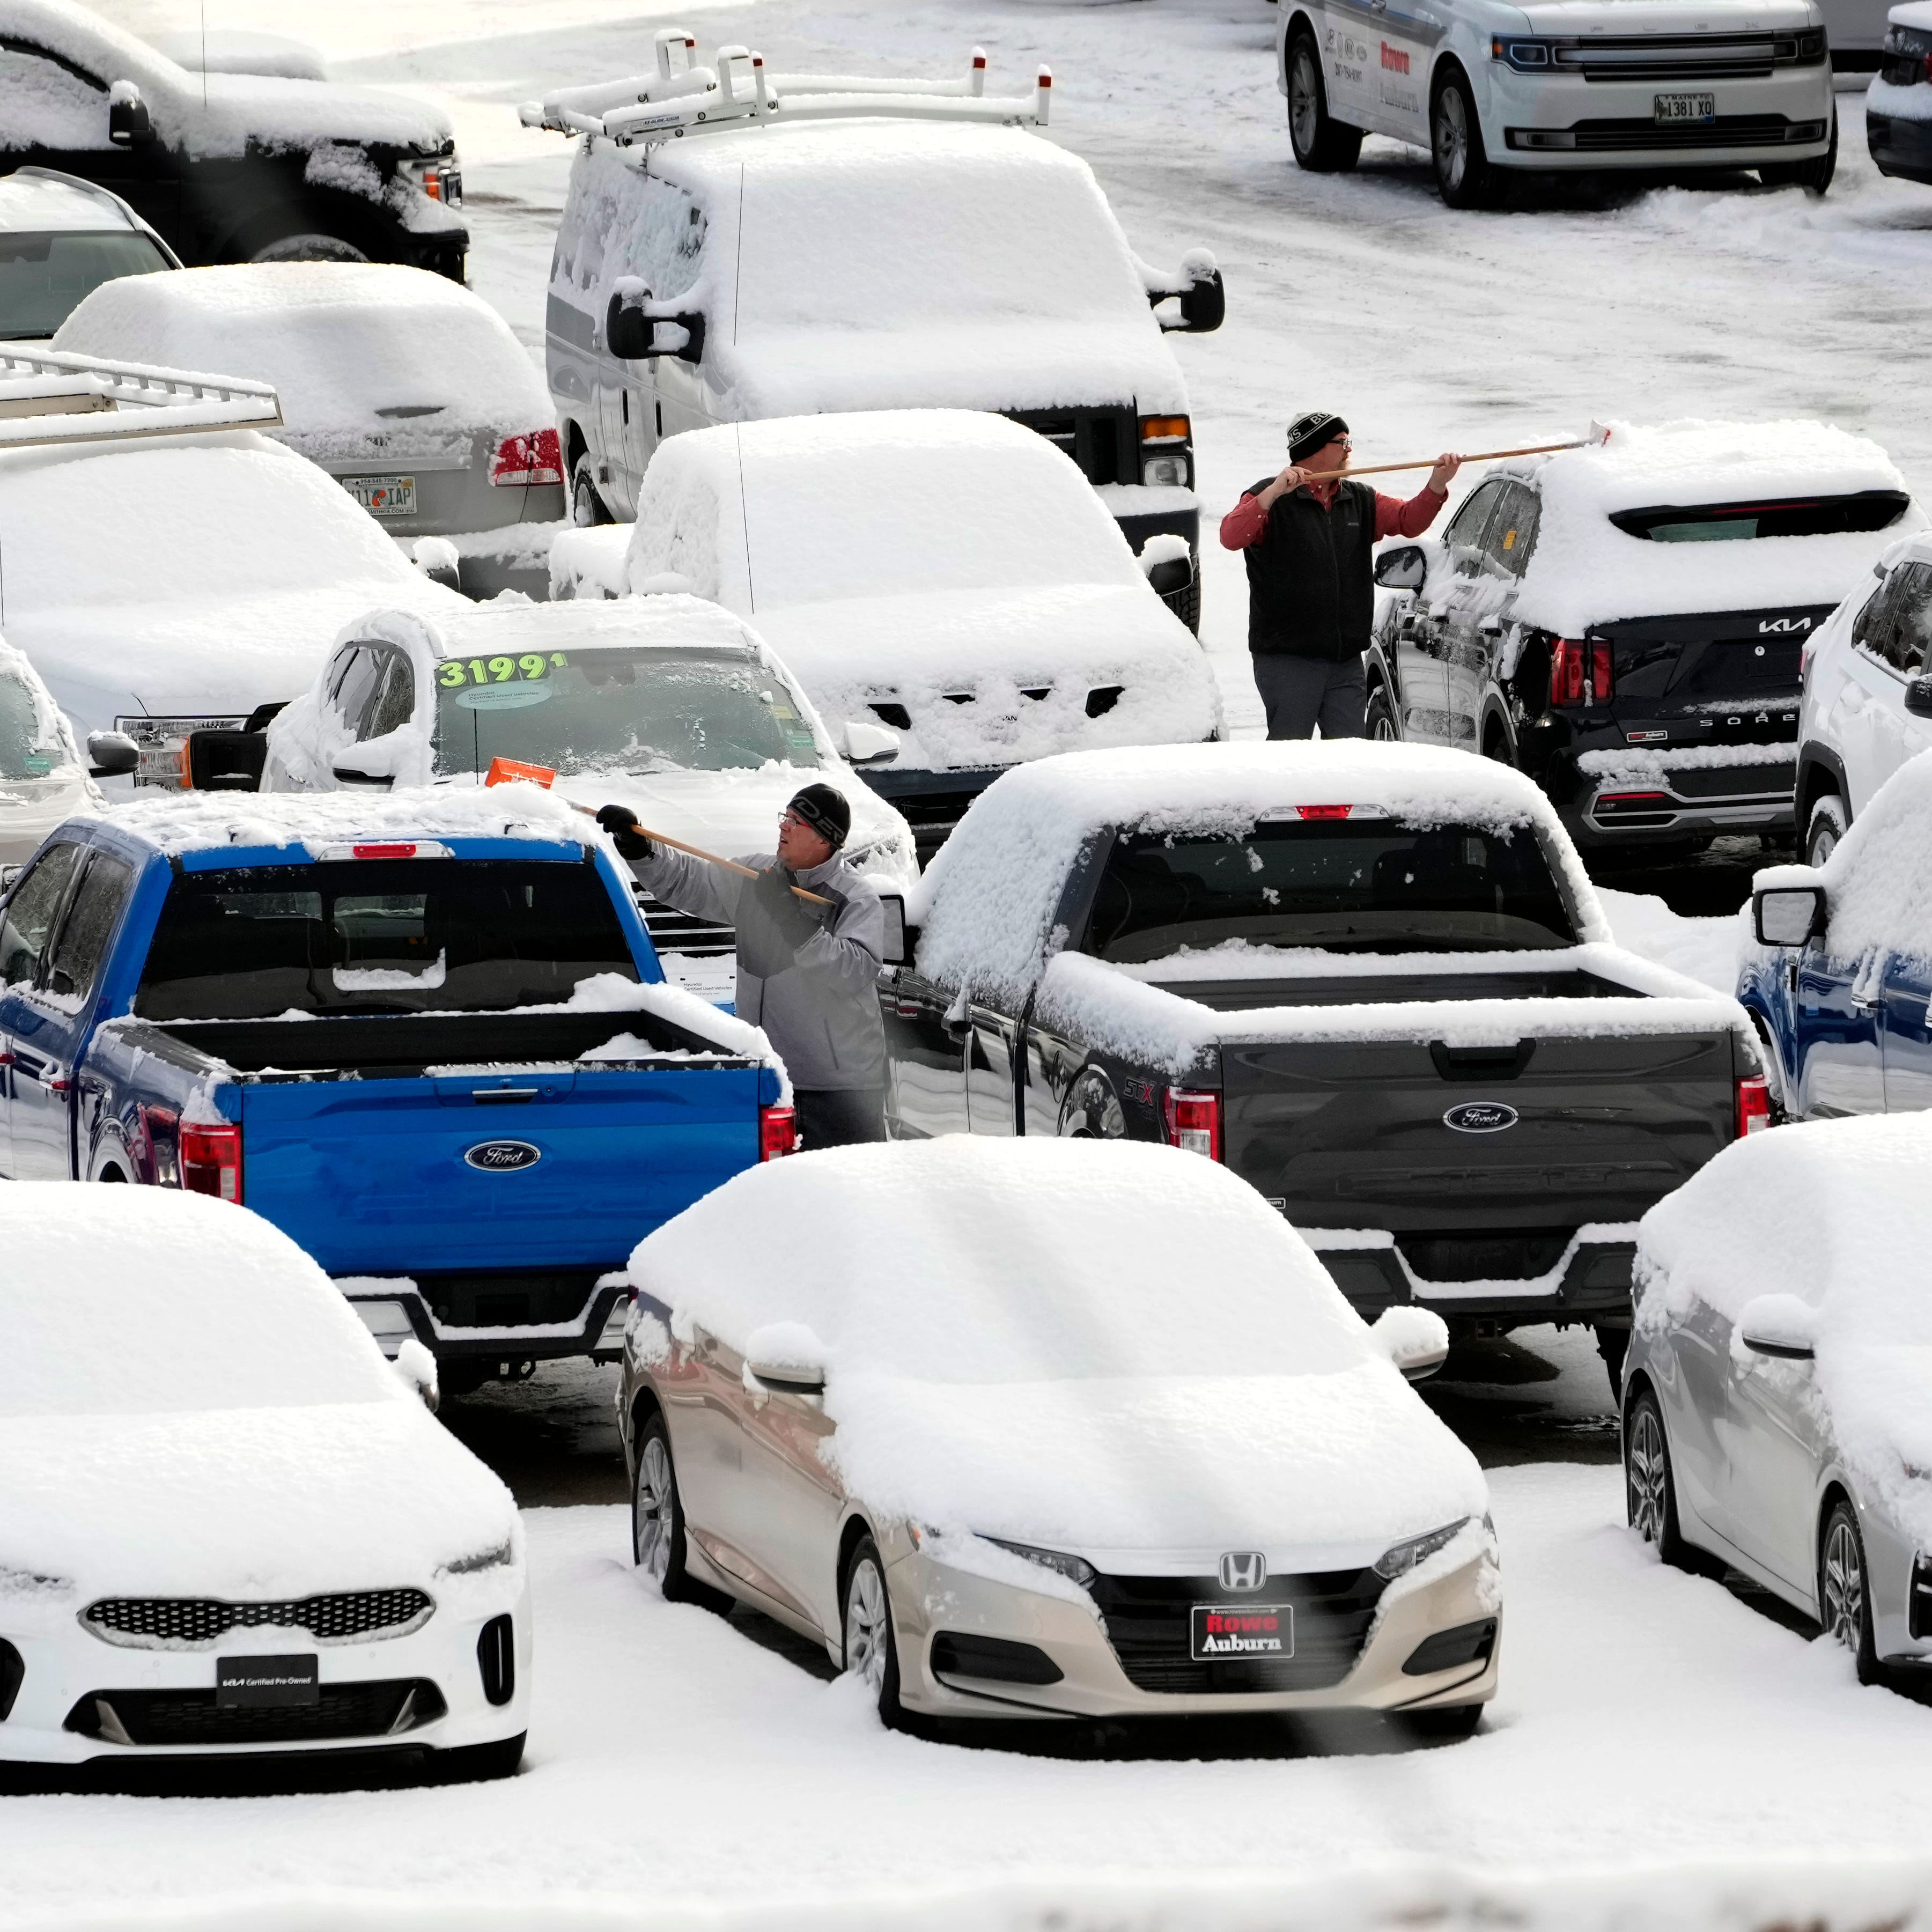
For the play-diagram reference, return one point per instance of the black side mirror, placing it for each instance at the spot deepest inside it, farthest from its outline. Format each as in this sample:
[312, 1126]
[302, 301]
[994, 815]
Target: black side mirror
[129, 124]
[1918, 696]
[1203, 305]
[1403, 568]
[226, 760]
[112, 754]
[1787, 915]
[1171, 576]
[901, 940]
[630, 335]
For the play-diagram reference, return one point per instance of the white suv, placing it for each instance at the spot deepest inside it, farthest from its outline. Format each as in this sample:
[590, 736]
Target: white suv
[1867, 703]
[1568, 85]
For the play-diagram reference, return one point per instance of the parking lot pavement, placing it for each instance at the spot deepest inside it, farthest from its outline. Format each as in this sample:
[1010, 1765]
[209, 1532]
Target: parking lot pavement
[1644, 1718]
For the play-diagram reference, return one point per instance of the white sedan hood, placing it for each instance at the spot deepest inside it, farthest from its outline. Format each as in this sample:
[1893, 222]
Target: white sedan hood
[246, 1504]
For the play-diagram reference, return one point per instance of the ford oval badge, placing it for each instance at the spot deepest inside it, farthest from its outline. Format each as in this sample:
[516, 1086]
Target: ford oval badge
[508, 1156]
[1479, 1117]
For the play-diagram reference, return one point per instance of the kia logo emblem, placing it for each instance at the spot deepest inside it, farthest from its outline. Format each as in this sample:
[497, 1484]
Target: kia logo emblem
[1244, 1572]
[503, 1156]
[1481, 1116]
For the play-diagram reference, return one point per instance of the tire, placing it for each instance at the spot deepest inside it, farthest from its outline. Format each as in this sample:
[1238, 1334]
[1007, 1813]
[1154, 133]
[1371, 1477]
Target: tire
[1445, 1723]
[1613, 1344]
[1814, 177]
[473, 1764]
[870, 1650]
[1828, 824]
[1650, 1489]
[587, 508]
[1464, 178]
[658, 1545]
[1380, 722]
[1844, 1592]
[310, 247]
[1185, 604]
[1322, 146]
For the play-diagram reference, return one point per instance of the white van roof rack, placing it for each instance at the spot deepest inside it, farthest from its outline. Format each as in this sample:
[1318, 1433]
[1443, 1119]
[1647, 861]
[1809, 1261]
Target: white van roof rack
[47, 396]
[683, 98]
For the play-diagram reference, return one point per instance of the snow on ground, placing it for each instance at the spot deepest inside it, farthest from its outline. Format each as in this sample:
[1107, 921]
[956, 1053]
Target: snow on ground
[1646, 1718]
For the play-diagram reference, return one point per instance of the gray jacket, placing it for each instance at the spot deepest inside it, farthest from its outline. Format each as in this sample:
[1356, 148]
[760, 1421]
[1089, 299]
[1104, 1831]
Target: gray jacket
[823, 1015]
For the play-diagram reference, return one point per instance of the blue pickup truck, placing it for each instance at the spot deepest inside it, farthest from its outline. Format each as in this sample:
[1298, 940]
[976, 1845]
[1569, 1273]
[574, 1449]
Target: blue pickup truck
[440, 1053]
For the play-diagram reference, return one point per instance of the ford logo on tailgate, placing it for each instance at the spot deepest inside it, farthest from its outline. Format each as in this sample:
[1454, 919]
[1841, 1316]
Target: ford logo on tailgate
[507, 1156]
[1479, 1117]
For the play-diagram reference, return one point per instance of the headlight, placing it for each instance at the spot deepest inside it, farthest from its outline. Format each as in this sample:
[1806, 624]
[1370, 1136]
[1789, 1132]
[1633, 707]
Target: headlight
[482, 1559]
[1074, 1569]
[1400, 1558]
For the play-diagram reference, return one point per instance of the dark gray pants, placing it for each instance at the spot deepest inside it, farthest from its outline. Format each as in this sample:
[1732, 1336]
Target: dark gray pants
[1301, 693]
[838, 1117]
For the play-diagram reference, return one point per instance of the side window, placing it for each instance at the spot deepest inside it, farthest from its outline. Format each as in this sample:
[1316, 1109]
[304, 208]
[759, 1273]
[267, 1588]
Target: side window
[27, 920]
[392, 701]
[1872, 628]
[75, 964]
[1512, 531]
[354, 684]
[1909, 617]
[1464, 535]
[666, 246]
[46, 103]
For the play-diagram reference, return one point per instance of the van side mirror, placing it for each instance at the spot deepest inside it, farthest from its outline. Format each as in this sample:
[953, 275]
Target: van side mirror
[227, 760]
[1788, 915]
[630, 335]
[112, 755]
[1918, 696]
[1202, 297]
[1405, 568]
[129, 124]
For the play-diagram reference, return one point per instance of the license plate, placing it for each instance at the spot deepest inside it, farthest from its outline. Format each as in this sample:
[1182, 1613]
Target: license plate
[1675, 109]
[1227, 1633]
[384, 496]
[244, 1683]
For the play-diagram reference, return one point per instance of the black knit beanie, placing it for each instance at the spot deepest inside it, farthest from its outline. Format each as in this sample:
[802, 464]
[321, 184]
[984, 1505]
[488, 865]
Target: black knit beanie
[1308, 434]
[825, 812]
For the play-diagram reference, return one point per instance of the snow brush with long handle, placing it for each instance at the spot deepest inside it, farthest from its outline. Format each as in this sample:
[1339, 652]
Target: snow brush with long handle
[1599, 435]
[508, 771]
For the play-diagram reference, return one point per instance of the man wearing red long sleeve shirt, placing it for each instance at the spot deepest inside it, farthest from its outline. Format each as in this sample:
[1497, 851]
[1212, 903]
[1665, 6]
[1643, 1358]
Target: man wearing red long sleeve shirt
[1308, 539]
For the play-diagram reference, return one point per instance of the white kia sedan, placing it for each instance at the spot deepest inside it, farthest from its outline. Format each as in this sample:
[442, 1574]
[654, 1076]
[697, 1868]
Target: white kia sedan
[228, 1526]
[1068, 1429]
[1777, 1393]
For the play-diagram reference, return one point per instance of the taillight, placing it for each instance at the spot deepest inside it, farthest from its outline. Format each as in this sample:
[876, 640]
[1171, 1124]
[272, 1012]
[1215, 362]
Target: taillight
[1753, 1104]
[1194, 1122]
[210, 1161]
[1602, 686]
[778, 1132]
[1566, 672]
[384, 851]
[536, 457]
[1323, 810]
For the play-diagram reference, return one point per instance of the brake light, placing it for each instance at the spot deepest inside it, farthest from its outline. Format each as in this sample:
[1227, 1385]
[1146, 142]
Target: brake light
[1194, 1122]
[778, 1132]
[1634, 801]
[1323, 810]
[210, 1161]
[1567, 672]
[1601, 682]
[535, 458]
[1753, 1104]
[384, 851]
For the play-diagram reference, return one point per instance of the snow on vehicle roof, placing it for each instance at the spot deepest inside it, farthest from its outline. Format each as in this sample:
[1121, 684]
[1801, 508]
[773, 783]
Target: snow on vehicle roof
[241, 50]
[673, 623]
[1072, 1343]
[1914, 13]
[1836, 1214]
[1584, 571]
[987, 902]
[38, 199]
[342, 342]
[878, 265]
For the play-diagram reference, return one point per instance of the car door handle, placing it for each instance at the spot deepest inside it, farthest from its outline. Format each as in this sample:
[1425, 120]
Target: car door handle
[1865, 1002]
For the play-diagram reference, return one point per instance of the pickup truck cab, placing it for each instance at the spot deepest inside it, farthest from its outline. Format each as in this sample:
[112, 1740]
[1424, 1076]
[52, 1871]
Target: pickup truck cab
[428, 1039]
[1373, 980]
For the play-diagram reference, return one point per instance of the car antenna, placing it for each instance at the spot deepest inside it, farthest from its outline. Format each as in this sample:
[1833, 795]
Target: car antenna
[744, 515]
[204, 56]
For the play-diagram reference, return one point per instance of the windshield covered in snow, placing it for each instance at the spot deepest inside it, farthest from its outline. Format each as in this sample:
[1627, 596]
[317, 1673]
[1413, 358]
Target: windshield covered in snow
[1362, 886]
[1788, 517]
[379, 936]
[619, 711]
[44, 277]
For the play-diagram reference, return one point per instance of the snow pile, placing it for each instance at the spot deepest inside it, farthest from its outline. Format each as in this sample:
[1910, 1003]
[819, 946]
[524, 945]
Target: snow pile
[954, 566]
[989, 903]
[1584, 571]
[593, 562]
[228, 1426]
[343, 343]
[1110, 1346]
[1836, 1214]
[877, 265]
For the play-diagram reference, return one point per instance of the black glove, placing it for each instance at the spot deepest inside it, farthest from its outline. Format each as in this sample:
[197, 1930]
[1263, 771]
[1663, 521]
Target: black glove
[773, 924]
[625, 833]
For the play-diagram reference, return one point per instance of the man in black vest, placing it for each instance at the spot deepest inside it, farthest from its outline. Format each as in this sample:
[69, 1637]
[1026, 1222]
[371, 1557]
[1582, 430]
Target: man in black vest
[1309, 539]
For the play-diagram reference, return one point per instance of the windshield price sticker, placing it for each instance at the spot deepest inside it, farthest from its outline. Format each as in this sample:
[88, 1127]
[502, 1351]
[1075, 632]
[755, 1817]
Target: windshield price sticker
[531, 666]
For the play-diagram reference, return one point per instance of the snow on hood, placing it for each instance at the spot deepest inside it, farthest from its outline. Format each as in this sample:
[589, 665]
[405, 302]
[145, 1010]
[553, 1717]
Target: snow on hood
[987, 902]
[1665, 17]
[877, 265]
[1111, 1345]
[1584, 571]
[234, 1431]
[1838, 1214]
[341, 342]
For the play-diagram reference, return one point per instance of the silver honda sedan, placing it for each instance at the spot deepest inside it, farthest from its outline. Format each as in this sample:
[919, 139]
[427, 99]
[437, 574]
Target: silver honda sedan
[1777, 1393]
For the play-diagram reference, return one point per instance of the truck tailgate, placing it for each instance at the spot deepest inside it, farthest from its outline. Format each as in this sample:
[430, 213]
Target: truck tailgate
[387, 1175]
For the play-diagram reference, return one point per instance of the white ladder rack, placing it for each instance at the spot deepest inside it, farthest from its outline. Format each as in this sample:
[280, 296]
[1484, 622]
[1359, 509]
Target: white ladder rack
[47, 396]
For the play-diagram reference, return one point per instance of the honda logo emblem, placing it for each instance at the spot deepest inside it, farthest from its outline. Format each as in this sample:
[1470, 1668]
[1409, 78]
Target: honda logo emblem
[1243, 1571]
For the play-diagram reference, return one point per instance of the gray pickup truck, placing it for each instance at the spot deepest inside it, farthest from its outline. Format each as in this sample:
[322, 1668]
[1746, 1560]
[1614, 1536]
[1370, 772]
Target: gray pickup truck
[1373, 979]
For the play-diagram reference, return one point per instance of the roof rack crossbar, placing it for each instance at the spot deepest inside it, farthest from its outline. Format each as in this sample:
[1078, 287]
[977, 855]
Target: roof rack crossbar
[49, 396]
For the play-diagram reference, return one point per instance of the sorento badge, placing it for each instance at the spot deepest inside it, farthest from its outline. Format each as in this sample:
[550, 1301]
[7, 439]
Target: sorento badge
[507, 1156]
[1481, 1116]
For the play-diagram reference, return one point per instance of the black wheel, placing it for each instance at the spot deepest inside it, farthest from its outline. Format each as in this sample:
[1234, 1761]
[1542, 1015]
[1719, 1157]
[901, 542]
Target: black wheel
[657, 1524]
[586, 507]
[1496, 746]
[1828, 822]
[1814, 176]
[1844, 1591]
[1321, 145]
[1613, 1344]
[1379, 723]
[1185, 604]
[1650, 1490]
[1464, 178]
[471, 1764]
[871, 1652]
[1444, 1724]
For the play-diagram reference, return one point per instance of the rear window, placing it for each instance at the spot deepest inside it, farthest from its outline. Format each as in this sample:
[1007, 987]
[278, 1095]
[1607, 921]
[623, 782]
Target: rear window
[1788, 516]
[1367, 885]
[44, 277]
[398, 936]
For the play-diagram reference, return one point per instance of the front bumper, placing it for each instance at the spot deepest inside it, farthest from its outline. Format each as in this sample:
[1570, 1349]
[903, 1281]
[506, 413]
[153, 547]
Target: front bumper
[1899, 147]
[396, 1311]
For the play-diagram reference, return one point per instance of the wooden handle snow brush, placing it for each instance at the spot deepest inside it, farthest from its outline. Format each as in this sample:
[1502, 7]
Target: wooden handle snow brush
[1599, 435]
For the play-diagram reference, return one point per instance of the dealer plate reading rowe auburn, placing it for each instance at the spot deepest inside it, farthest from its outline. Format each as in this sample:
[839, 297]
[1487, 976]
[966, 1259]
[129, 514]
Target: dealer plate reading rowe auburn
[1685, 109]
[1221, 1632]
